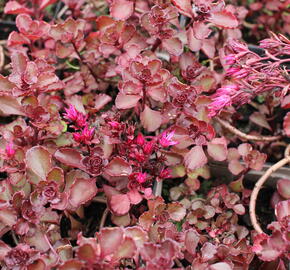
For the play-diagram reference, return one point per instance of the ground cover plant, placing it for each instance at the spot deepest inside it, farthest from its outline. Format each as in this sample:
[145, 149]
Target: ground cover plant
[116, 119]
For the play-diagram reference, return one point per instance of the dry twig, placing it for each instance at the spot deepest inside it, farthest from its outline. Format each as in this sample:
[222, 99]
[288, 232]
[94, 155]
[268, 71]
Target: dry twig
[259, 185]
[242, 135]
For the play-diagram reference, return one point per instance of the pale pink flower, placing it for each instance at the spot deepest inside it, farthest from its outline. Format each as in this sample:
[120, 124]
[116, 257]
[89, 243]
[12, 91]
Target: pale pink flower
[166, 139]
[218, 104]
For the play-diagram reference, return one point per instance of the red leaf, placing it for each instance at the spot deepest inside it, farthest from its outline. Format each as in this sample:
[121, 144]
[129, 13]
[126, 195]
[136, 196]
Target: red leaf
[286, 124]
[126, 101]
[82, 191]
[118, 167]
[122, 9]
[38, 160]
[224, 19]
[173, 45]
[13, 7]
[195, 158]
[110, 239]
[191, 241]
[150, 119]
[5, 85]
[184, 7]
[260, 119]
[45, 3]
[10, 106]
[69, 157]
[176, 211]
[217, 149]
[120, 204]
[283, 187]
[282, 209]
[220, 266]
[200, 30]
[126, 250]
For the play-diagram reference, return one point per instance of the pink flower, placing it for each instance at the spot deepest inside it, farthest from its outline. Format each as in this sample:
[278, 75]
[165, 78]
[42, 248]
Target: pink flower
[148, 147]
[10, 151]
[141, 177]
[74, 116]
[230, 59]
[165, 173]
[85, 136]
[166, 139]
[140, 139]
[114, 124]
[218, 104]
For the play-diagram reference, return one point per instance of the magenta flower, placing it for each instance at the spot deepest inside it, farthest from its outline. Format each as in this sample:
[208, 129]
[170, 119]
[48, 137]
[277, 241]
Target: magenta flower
[141, 177]
[230, 59]
[75, 116]
[10, 151]
[140, 139]
[218, 104]
[85, 136]
[166, 139]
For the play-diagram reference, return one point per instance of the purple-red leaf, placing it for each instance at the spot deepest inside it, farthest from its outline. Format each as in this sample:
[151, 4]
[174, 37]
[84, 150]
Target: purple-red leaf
[38, 160]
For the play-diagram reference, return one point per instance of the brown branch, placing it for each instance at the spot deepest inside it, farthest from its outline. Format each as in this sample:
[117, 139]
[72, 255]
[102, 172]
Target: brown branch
[84, 62]
[245, 136]
[259, 185]
[100, 200]
[104, 217]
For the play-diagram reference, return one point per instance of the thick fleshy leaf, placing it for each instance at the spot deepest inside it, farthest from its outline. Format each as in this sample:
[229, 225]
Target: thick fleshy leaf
[82, 191]
[220, 266]
[126, 250]
[4, 249]
[134, 196]
[38, 160]
[217, 151]
[13, 7]
[10, 106]
[283, 187]
[195, 158]
[176, 211]
[173, 45]
[45, 3]
[208, 251]
[122, 9]
[5, 85]
[118, 167]
[286, 124]
[150, 119]
[69, 157]
[235, 167]
[200, 30]
[110, 240]
[8, 216]
[224, 19]
[184, 7]
[119, 204]
[121, 220]
[282, 210]
[101, 100]
[260, 120]
[72, 265]
[126, 101]
[191, 241]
